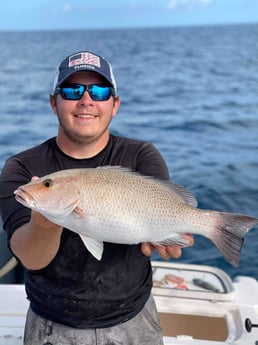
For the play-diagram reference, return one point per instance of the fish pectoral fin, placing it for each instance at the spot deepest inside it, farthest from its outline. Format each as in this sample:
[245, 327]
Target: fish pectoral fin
[95, 247]
[176, 239]
[78, 212]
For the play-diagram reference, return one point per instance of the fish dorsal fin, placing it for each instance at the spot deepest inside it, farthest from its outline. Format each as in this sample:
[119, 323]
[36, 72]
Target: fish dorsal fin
[95, 247]
[184, 194]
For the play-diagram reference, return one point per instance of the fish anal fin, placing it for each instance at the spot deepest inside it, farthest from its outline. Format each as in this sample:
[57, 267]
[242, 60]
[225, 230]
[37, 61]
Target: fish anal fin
[176, 239]
[95, 247]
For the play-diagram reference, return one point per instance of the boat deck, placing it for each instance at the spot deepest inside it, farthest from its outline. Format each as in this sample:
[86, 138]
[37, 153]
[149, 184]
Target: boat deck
[210, 311]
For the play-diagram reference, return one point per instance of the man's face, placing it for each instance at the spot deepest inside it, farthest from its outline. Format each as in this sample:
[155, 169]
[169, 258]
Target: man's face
[85, 120]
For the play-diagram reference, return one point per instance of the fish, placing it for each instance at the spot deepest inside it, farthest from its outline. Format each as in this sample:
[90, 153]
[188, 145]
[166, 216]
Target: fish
[117, 205]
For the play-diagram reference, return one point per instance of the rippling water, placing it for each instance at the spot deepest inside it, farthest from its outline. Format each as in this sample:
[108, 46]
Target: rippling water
[193, 92]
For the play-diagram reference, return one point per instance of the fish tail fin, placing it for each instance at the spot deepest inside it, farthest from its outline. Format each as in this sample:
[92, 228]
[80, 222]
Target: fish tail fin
[229, 233]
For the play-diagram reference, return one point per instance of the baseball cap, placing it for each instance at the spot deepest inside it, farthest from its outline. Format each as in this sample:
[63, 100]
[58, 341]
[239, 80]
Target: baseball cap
[84, 61]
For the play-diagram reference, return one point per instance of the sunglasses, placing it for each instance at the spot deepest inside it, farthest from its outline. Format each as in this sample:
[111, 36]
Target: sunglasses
[74, 92]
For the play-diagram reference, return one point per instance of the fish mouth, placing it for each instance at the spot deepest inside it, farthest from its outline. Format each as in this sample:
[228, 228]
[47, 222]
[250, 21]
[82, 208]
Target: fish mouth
[24, 198]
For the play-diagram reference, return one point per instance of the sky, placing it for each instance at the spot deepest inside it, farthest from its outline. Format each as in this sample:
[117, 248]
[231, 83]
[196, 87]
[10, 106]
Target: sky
[16, 15]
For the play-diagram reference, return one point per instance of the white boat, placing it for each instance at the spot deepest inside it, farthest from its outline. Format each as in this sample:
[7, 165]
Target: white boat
[202, 305]
[197, 305]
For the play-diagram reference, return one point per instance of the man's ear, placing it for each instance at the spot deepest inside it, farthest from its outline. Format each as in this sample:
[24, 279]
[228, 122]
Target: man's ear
[52, 101]
[116, 105]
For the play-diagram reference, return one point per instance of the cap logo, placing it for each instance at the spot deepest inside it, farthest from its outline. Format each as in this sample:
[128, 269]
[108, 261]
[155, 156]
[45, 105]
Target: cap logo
[84, 59]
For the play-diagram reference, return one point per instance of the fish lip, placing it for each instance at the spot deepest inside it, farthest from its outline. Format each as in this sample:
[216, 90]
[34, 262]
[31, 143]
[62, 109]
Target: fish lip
[24, 197]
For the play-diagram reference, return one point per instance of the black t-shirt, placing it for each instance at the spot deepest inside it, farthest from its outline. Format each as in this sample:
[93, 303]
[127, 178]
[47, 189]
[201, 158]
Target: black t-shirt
[76, 289]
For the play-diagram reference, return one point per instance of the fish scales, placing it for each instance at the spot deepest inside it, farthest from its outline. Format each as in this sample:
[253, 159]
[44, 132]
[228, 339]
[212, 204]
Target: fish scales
[139, 216]
[112, 204]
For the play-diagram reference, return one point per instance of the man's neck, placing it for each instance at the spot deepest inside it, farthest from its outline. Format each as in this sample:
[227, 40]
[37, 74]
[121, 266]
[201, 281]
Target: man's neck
[81, 150]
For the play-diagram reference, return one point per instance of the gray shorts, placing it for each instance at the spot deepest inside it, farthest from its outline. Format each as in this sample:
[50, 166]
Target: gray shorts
[143, 329]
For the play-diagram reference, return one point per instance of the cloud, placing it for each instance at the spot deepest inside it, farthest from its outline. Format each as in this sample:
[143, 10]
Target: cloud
[172, 4]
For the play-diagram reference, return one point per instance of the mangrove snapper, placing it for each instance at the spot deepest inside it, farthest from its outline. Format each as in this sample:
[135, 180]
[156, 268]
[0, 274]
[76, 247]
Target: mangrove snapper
[113, 204]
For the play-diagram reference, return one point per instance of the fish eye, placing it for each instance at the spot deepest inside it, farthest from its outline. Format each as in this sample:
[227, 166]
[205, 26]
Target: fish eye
[47, 183]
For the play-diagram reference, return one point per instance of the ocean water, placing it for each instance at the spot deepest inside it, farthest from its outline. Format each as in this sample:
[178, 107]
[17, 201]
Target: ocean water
[192, 91]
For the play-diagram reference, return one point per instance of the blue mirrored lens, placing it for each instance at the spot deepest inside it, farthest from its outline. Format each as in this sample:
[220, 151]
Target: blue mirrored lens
[76, 91]
[99, 93]
[72, 92]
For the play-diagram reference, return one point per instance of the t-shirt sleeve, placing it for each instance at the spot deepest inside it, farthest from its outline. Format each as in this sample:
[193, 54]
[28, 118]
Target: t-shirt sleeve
[13, 214]
[150, 162]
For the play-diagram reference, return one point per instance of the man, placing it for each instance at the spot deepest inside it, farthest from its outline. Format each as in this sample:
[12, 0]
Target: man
[74, 298]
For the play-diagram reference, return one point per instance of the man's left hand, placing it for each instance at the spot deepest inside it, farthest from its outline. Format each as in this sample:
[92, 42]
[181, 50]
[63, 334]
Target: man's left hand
[166, 252]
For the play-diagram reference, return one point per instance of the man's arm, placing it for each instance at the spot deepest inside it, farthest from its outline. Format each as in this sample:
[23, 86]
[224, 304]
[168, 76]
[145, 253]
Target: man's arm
[36, 242]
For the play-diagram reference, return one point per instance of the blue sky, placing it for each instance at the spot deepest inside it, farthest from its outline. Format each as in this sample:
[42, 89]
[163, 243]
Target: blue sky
[84, 14]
